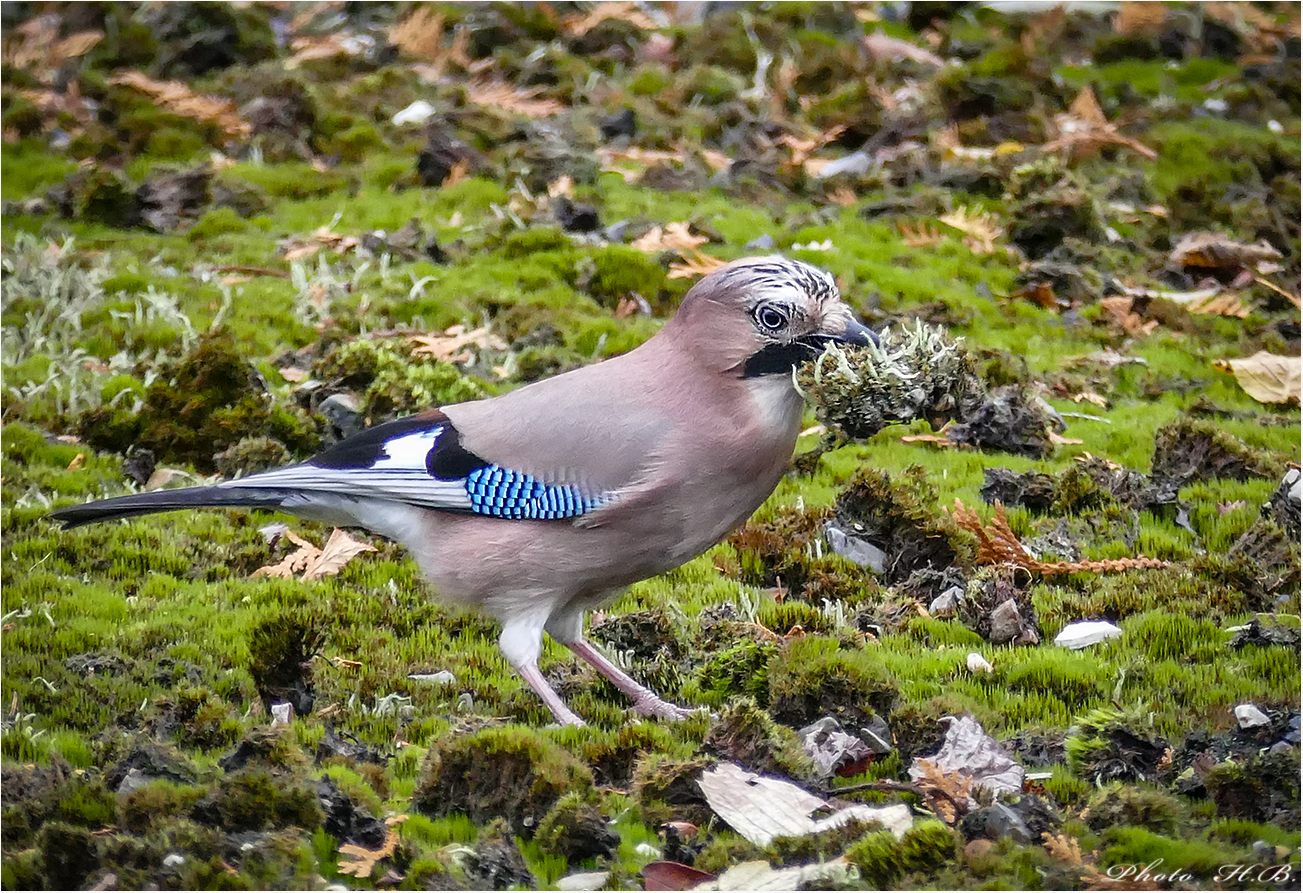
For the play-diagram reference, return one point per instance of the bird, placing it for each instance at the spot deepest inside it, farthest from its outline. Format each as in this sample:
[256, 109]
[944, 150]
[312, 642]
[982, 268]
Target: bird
[540, 504]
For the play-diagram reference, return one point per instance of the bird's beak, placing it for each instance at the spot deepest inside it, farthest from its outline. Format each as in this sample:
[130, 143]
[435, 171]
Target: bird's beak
[856, 332]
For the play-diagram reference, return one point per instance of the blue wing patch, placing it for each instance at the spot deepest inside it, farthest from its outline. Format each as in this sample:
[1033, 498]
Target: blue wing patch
[503, 493]
[420, 460]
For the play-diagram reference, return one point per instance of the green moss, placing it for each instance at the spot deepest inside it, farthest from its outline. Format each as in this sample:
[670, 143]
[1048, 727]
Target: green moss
[217, 222]
[746, 735]
[254, 799]
[620, 272]
[815, 677]
[1143, 806]
[508, 771]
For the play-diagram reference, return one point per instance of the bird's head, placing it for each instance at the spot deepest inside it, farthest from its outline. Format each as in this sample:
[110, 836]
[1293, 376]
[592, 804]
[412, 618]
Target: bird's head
[764, 315]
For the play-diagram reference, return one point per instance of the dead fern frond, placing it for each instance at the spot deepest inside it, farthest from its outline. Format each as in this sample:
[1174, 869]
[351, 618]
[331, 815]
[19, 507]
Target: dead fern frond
[997, 544]
[949, 793]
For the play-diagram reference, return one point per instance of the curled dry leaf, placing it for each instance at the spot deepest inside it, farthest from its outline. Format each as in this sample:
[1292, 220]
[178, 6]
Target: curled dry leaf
[1266, 377]
[997, 544]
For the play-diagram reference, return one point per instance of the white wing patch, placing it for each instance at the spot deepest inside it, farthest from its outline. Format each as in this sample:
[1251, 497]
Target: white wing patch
[398, 476]
[408, 452]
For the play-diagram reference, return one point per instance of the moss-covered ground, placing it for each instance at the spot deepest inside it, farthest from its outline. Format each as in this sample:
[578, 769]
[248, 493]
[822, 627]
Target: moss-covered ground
[181, 328]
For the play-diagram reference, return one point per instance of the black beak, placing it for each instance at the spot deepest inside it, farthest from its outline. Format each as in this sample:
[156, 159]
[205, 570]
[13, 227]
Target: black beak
[857, 332]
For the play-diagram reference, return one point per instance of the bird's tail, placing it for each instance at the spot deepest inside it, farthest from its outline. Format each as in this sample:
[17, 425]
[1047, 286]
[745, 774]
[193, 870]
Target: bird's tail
[171, 500]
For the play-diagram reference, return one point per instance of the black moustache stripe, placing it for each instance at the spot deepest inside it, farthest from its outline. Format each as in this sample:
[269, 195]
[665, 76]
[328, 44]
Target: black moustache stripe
[774, 359]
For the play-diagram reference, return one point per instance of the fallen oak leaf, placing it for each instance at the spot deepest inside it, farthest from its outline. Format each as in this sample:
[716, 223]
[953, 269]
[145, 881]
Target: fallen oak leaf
[339, 550]
[292, 563]
[1266, 377]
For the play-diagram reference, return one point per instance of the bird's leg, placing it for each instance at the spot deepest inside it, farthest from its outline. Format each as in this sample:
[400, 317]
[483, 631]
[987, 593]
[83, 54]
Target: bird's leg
[645, 701]
[521, 642]
[564, 715]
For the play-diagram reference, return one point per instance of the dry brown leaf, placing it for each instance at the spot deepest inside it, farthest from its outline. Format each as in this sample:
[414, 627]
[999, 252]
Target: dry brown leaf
[345, 662]
[1041, 293]
[77, 462]
[1219, 305]
[630, 162]
[1266, 377]
[179, 99]
[1068, 849]
[292, 563]
[919, 235]
[293, 374]
[1289, 296]
[1090, 397]
[35, 44]
[938, 440]
[1213, 251]
[843, 196]
[530, 103]
[452, 346]
[802, 147]
[420, 35]
[359, 862]
[329, 46]
[957, 785]
[1084, 131]
[719, 161]
[1130, 322]
[884, 48]
[562, 185]
[698, 265]
[460, 170]
[339, 550]
[671, 237]
[997, 544]
[578, 26]
[1057, 438]
[1135, 17]
[980, 229]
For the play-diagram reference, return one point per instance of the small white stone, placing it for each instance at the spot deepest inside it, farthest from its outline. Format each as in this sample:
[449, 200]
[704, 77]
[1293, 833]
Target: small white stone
[1086, 632]
[417, 113]
[281, 713]
[1250, 717]
[979, 664]
[173, 860]
[647, 850]
[583, 880]
[442, 677]
[1275, 126]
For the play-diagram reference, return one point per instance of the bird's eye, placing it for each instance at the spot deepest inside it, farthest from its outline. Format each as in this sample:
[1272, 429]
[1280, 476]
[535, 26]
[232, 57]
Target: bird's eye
[771, 318]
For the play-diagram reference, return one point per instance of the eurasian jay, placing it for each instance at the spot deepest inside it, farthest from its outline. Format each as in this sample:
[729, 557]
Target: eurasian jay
[540, 504]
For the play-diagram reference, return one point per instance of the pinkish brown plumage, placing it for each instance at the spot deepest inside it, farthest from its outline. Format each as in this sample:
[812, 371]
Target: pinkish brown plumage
[541, 504]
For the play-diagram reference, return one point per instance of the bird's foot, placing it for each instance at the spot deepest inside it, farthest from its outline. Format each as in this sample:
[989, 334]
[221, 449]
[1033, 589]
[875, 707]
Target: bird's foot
[654, 706]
